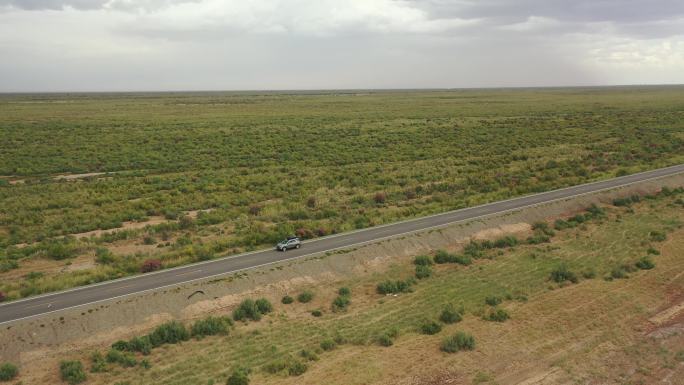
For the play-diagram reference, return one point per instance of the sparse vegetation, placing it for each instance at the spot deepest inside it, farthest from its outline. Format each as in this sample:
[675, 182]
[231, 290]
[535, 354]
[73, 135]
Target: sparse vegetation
[423, 271]
[168, 163]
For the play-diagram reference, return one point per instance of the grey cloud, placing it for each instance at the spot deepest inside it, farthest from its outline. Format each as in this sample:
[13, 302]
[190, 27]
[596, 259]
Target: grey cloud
[53, 4]
[619, 11]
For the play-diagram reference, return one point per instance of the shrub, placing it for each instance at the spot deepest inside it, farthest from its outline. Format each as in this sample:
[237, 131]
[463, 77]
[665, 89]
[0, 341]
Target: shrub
[328, 345]
[562, 274]
[423, 271]
[211, 326]
[618, 272]
[305, 297]
[8, 371]
[103, 256]
[380, 197]
[240, 376]
[297, 368]
[344, 291]
[658, 236]
[309, 355]
[645, 263]
[247, 310]
[126, 360]
[442, 256]
[394, 287]
[589, 273]
[316, 313]
[171, 332]
[120, 345]
[72, 372]
[457, 342]
[341, 303]
[450, 315]
[140, 344]
[385, 339]
[145, 363]
[98, 363]
[560, 224]
[430, 327]
[508, 241]
[493, 300]
[150, 265]
[652, 251]
[287, 300]
[276, 366]
[263, 306]
[538, 238]
[497, 315]
[422, 260]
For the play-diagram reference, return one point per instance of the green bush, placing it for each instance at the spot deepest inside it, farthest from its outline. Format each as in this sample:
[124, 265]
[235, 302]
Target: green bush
[652, 251]
[8, 371]
[423, 271]
[316, 313]
[263, 306]
[645, 263]
[341, 303]
[450, 315]
[72, 372]
[247, 309]
[97, 363]
[239, 376]
[287, 300]
[140, 344]
[305, 297]
[508, 241]
[422, 260]
[658, 236]
[562, 274]
[297, 368]
[493, 300]
[211, 326]
[394, 287]
[430, 327]
[457, 342]
[497, 315]
[124, 359]
[309, 355]
[121, 345]
[171, 332]
[442, 257]
[385, 339]
[328, 345]
[344, 291]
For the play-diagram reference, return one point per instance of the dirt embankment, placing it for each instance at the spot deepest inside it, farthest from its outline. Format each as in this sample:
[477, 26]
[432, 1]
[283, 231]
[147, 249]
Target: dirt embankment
[93, 326]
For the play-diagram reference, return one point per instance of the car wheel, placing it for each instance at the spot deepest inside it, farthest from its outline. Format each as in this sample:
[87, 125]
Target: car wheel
[296, 247]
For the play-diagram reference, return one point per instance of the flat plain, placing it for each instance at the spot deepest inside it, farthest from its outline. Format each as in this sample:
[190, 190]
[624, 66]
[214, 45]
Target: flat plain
[100, 186]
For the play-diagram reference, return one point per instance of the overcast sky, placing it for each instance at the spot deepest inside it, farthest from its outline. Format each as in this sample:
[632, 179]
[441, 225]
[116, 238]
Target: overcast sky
[128, 45]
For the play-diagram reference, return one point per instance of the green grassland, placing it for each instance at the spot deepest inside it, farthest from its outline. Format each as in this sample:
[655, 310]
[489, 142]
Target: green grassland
[570, 320]
[271, 164]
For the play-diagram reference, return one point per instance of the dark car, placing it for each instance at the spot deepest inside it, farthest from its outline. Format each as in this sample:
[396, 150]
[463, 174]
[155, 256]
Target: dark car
[289, 243]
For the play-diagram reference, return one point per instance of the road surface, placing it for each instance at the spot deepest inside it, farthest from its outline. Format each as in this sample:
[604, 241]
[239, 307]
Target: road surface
[48, 303]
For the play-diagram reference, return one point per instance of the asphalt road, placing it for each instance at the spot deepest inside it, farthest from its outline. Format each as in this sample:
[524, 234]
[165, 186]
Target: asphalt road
[35, 306]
